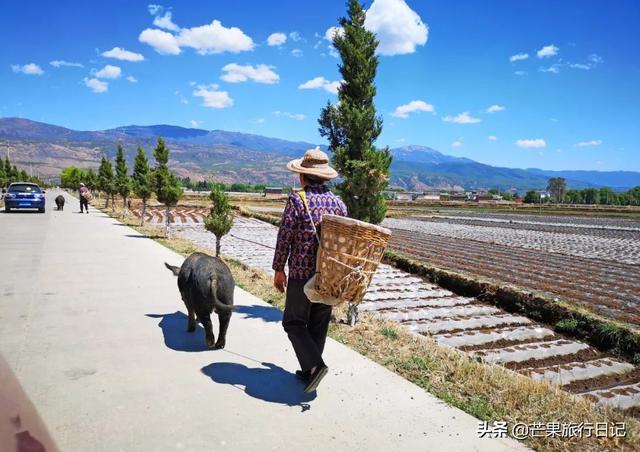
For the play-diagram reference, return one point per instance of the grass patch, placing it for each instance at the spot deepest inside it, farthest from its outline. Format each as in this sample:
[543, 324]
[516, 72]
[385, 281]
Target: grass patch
[389, 333]
[486, 391]
[567, 326]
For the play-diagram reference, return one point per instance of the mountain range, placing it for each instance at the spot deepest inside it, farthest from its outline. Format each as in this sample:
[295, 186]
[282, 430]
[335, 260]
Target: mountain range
[243, 157]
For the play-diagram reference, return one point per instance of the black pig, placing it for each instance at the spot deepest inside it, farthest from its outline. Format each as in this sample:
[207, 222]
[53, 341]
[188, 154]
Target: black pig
[206, 285]
[60, 202]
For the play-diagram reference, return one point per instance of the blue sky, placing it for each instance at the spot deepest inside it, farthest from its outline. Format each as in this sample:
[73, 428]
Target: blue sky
[572, 103]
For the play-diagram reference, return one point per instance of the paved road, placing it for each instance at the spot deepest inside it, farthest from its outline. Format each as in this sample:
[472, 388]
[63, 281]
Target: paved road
[93, 325]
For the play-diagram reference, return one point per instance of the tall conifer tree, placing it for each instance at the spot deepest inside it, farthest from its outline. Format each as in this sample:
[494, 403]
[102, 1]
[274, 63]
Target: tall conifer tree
[352, 126]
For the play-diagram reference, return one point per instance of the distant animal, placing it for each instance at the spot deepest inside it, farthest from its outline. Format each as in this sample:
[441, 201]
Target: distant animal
[206, 285]
[60, 202]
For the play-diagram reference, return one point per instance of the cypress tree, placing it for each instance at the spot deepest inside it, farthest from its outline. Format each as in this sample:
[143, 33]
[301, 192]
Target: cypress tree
[142, 180]
[352, 126]
[122, 181]
[91, 179]
[166, 184]
[105, 179]
[219, 220]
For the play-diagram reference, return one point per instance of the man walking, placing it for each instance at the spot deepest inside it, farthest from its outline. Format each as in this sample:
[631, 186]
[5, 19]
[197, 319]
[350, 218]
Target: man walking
[306, 323]
[84, 198]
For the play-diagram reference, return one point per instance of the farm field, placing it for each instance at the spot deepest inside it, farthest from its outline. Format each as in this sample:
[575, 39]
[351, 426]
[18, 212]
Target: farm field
[589, 262]
[465, 323]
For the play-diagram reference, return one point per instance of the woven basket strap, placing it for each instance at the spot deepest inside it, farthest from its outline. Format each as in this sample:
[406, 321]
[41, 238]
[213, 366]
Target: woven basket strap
[303, 197]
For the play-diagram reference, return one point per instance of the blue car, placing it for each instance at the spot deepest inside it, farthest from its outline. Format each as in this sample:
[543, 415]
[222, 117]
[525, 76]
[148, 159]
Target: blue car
[24, 195]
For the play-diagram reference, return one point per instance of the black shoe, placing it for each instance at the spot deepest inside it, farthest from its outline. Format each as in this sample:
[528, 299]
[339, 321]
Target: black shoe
[303, 375]
[316, 377]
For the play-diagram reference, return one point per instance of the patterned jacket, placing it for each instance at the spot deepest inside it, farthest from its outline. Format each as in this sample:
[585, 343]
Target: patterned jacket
[297, 243]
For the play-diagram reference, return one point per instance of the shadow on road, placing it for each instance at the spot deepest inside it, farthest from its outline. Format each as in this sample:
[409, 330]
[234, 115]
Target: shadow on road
[270, 383]
[21, 211]
[176, 337]
[254, 311]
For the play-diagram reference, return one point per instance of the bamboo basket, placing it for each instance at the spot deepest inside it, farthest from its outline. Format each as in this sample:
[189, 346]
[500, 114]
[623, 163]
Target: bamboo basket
[349, 253]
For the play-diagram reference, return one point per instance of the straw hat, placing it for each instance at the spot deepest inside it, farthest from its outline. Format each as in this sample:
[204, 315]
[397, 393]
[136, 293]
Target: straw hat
[315, 163]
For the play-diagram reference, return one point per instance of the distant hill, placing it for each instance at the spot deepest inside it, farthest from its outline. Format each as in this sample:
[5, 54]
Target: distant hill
[243, 157]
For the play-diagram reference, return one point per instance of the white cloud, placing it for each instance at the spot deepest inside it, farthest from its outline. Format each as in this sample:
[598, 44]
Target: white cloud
[321, 83]
[122, 54]
[456, 144]
[492, 138]
[235, 73]
[60, 63]
[547, 51]
[295, 36]
[332, 31]
[28, 69]
[593, 60]
[154, 10]
[161, 41]
[462, 118]
[215, 38]
[584, 144]
[260, 121]
[585, 67]
[195, 123]
[296, 53]
[403, 111]
[534, 143]
[165, 22]
[109, 72]
[554, 69]
[495, 108]
[520, 73]
[213, 98]
[97, 86]
[276, 39]
[398, 28]
[519, 57]
[132, 79]
[286, 114]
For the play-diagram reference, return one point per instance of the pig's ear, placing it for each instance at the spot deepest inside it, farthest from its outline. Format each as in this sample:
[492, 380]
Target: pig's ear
[175, 270]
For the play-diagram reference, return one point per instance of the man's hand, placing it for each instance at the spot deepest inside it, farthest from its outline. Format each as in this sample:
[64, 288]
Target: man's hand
[280, 281]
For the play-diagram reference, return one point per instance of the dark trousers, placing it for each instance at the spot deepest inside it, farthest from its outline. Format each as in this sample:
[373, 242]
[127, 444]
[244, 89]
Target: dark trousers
[306, 325]
[84, 204]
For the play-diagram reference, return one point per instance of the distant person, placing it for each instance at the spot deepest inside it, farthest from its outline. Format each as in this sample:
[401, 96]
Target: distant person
[85, 194]
[306, 323]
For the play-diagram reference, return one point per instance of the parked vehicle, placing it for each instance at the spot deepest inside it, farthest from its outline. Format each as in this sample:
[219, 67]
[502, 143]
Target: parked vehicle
[24, 195]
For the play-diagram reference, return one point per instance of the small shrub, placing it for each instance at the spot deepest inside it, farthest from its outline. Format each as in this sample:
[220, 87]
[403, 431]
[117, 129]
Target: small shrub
[568, 326]
[389, 333]
[609, 334]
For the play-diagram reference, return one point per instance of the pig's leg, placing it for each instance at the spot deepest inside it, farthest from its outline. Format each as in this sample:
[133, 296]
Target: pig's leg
[191, 324]
[208, 329]
[224, 319]
[191, 327]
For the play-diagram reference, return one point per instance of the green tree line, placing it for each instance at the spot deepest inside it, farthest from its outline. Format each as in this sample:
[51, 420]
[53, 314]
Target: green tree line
[9, 173]
[114, 179]
[146, 181]
[203, 185]
[602, 196]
